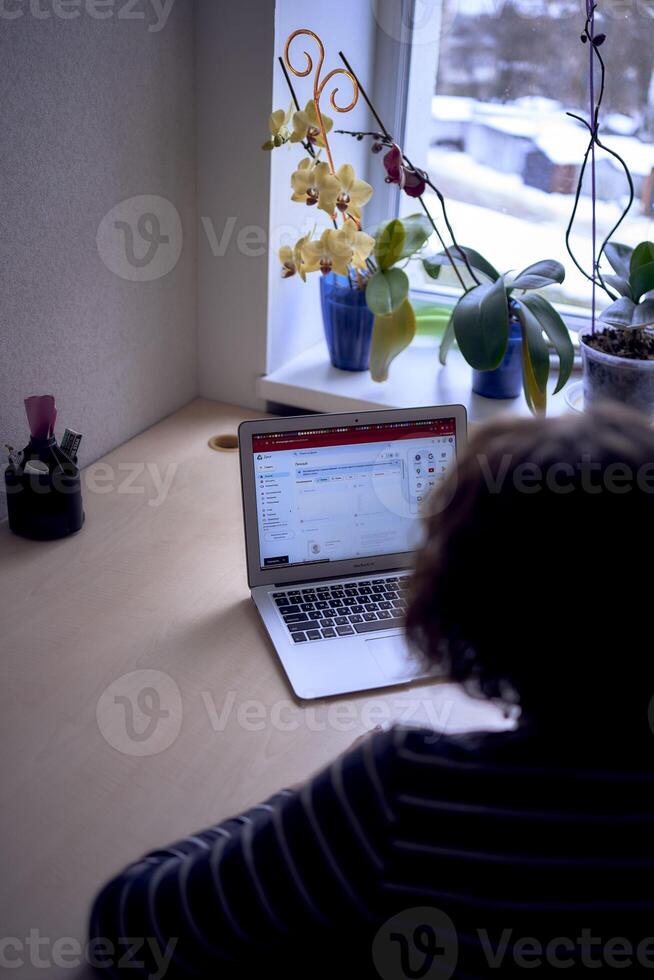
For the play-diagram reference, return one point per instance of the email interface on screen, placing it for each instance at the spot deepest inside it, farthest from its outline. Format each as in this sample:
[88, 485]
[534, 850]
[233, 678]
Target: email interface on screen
[341, 493]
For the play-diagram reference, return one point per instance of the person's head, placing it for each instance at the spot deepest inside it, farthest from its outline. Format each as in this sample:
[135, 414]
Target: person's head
[535, 577]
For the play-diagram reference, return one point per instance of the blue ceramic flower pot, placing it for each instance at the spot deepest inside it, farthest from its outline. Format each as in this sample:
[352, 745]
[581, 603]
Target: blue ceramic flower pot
[348, 323]
[504, 381]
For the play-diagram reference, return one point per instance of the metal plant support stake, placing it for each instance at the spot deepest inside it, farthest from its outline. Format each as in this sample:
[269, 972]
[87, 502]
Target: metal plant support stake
[595, 42]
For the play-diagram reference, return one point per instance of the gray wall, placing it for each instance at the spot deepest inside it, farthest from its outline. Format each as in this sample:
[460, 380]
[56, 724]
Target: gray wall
[94, 112]
[235, 64]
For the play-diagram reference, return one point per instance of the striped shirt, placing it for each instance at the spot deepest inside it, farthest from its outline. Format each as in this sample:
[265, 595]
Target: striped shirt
[471, 855]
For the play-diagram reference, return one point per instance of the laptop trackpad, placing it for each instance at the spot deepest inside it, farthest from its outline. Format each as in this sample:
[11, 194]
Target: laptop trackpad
[392, 657]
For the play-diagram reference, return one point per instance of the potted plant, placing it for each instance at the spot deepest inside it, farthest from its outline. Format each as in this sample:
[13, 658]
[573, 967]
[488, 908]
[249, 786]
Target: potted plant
[500, 329]
[367, 315]
[618, 361]
[500, 325]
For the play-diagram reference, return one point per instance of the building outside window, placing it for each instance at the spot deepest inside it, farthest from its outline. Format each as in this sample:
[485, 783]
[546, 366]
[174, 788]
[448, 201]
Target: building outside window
[495, 137]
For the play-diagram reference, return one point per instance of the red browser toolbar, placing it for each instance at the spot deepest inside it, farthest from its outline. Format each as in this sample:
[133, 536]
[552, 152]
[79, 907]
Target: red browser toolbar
[348, 435]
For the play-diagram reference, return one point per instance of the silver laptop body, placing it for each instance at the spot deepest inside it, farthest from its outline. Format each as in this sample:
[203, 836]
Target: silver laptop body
[332, 508]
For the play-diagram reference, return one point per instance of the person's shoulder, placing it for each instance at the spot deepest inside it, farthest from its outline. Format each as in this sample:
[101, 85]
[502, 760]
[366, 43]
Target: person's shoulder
[414, 742]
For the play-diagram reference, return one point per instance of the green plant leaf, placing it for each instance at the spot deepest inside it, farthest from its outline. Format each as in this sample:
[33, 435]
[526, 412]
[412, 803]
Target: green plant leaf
[432, 268]
[389, 244]
[620, 257]
[642, 280]
[535, 361]
[643, 254]
[446, 342]
[539, 274]
[620, 313]
[418, 230]
[390, 335]
[556, 332]
[535, 398]
[477, 261]
[624, 314]
[481, 325]
[386, 291]
[619, 283]
[643, 314]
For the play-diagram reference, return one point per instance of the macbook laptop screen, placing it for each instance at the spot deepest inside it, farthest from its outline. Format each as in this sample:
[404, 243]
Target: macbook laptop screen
[341, 493]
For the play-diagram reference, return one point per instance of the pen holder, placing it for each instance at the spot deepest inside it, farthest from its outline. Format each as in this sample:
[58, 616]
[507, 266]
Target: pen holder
[44, 493]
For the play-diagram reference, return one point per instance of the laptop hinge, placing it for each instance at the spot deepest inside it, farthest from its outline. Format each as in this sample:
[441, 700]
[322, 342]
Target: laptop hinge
[332, 578]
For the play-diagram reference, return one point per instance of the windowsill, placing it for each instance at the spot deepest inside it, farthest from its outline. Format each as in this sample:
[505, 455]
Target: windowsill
[416, 379]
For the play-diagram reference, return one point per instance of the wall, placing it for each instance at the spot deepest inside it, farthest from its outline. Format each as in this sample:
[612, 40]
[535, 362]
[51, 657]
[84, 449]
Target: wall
[93, 112]
[235, 46]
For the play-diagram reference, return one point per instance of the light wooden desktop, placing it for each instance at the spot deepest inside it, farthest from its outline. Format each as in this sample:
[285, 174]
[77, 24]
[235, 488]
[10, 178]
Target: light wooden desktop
[154, 581]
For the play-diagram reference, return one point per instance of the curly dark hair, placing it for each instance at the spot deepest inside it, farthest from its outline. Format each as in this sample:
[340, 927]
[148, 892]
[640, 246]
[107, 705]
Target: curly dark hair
[533, 584]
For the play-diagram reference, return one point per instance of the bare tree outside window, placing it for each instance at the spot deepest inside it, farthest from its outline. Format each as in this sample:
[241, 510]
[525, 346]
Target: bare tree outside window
[499, 142]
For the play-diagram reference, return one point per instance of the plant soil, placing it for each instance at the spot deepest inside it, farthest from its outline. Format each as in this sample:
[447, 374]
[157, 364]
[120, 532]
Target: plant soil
[635, 345]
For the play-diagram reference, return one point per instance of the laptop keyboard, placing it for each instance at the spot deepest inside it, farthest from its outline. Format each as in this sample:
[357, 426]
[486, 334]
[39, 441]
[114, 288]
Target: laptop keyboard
[325, 612]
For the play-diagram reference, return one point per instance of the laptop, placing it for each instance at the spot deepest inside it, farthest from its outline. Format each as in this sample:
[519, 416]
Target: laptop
[332, 507]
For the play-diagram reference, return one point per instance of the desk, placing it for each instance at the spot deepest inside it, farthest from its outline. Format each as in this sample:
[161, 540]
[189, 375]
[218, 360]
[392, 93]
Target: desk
[154, 581]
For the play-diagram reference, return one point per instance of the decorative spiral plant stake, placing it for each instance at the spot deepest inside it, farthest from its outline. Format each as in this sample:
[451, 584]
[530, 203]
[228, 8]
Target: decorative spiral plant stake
[319, 84]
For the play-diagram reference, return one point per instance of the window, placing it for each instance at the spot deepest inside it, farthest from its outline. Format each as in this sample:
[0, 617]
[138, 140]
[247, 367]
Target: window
[489, 87]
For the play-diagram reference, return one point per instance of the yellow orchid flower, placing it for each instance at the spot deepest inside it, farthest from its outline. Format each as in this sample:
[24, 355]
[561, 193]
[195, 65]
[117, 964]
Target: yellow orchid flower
[287, 258]
[292, 259]
[303, 182]
[337, 249]
[306, 126]
[309, 180]
[343, 192]
[278, 127]
[331, 253]
[361, 244]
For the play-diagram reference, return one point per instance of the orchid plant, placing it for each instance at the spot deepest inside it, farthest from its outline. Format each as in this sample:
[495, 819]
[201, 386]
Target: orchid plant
[489, 302]
[367, 262]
